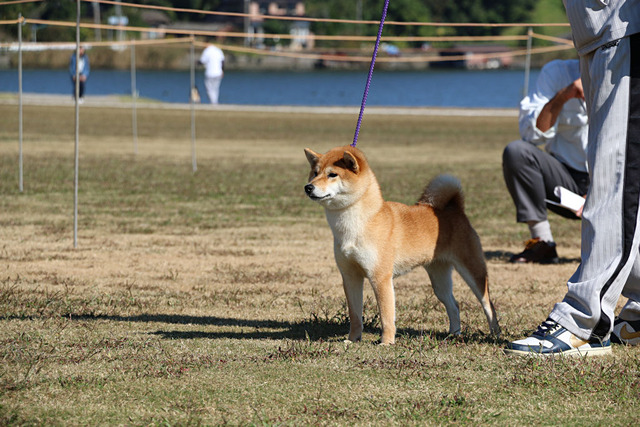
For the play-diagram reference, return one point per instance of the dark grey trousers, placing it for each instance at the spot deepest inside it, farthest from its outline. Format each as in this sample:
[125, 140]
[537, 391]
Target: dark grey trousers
[531, 174]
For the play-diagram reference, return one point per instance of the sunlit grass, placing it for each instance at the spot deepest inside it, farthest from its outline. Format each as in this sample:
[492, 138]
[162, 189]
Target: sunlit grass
[213, 298]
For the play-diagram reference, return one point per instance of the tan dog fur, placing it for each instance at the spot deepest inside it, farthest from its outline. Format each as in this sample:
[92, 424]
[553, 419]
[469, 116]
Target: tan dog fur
[381, 240]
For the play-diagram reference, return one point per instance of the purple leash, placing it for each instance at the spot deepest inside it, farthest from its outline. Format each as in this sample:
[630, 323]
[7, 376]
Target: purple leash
[373, 61]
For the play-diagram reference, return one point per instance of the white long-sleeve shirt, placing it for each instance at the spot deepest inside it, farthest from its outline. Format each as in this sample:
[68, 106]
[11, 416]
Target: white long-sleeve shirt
[567, 139]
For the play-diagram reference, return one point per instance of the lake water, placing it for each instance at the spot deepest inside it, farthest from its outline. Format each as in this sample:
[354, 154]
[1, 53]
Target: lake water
[438, 88]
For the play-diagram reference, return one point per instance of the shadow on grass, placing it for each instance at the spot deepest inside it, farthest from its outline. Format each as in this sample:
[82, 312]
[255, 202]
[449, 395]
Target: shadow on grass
[260, 329]
[330, 332]
[256, 328]
[503, 256]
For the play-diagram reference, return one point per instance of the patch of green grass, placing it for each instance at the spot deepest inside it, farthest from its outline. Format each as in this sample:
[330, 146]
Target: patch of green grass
[212, 298]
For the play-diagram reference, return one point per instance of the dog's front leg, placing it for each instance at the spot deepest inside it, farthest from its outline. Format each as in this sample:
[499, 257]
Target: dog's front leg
[352, 282]
[383, 289]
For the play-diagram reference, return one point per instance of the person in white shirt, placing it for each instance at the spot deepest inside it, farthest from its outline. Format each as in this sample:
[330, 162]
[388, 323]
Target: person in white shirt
[553, 115]
[213, 60]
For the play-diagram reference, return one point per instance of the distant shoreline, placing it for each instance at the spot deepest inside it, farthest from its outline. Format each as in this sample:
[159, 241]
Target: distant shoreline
[178, 58]
[117, 101]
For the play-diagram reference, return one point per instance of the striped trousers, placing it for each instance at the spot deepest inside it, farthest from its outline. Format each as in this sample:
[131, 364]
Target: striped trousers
[610, 265]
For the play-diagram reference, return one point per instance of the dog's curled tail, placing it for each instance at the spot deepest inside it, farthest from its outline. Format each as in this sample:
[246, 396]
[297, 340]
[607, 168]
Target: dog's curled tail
[442, 191]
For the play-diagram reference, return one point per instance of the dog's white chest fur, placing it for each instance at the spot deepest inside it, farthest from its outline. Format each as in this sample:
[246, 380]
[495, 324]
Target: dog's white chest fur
[350, 242]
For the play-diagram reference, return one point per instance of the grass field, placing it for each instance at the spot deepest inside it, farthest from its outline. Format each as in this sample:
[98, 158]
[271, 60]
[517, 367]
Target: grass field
[213, 298]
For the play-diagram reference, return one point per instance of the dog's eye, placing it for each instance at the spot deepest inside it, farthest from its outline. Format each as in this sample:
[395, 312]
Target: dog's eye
[332, 175]
[314, 173]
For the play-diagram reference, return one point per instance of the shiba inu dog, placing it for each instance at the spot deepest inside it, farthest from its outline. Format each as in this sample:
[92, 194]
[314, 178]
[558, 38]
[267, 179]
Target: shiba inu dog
[381, 240]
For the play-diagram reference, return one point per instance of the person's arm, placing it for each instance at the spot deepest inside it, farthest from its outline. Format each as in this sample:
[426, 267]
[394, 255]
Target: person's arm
[550, 112]
[87, 67]
[204, 58]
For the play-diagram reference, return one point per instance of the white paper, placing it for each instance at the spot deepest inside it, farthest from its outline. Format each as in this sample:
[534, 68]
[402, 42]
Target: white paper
[568, 199]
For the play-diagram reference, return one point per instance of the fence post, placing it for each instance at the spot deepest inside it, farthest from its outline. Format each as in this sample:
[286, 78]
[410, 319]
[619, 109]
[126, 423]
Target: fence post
[134, 96]
[21, 182]
[77, 121]
[193, 112]
[527, 65]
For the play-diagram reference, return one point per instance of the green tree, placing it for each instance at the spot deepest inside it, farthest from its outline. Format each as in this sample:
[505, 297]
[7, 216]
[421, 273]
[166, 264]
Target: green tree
[335, 9]
[459, 11]
[399, 10]
[403, 11]
[481, 11]
[53, 10]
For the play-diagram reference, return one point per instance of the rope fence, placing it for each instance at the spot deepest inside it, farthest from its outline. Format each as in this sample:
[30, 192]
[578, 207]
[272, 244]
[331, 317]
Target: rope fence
[6, 3]
[563, 44]
[188, 37]
[235, 34]
[326, 20]
[296, 55]
[312, 37]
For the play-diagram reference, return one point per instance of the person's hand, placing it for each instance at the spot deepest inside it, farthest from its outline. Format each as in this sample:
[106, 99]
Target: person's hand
[551, 110]
[579, 211]
[575, 90]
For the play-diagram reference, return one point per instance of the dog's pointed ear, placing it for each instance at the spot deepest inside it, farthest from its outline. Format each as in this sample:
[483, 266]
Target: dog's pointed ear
[351, 162]
[312, 156]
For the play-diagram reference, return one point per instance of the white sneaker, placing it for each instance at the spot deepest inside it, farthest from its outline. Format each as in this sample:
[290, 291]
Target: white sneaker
[626, 332]
[553, 339]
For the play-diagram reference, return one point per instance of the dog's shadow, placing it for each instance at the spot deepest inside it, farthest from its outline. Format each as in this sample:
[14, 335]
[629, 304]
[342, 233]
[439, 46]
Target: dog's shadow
[265, 329]
[232, 328]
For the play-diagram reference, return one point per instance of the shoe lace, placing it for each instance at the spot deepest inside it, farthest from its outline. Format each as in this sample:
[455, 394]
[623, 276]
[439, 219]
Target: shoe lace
[546, 327]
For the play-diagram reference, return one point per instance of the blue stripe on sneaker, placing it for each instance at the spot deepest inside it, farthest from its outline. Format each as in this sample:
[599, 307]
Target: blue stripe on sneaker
[559, 346]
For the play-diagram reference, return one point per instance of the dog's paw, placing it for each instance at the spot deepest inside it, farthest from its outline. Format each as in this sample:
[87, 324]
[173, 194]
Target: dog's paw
[456, 336]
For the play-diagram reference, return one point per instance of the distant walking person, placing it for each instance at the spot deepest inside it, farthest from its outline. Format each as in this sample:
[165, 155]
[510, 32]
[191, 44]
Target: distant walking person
[213, 60]
[83, 72]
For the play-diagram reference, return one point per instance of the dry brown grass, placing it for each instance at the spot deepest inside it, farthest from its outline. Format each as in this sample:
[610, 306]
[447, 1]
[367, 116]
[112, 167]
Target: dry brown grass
[213, 298]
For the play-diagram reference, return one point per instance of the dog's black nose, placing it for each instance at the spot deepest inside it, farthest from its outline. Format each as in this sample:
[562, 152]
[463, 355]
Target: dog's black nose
[308, 189]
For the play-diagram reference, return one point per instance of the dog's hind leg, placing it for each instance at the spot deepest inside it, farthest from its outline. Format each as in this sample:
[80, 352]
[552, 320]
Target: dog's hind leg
[474, 272]
[440, 275]
[352, 282]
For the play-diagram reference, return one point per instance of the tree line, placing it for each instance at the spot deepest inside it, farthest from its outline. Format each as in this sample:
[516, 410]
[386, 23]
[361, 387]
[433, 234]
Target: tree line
[458, 11]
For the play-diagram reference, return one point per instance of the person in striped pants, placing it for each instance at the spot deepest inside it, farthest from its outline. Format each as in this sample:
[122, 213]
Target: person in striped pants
[606, 34]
